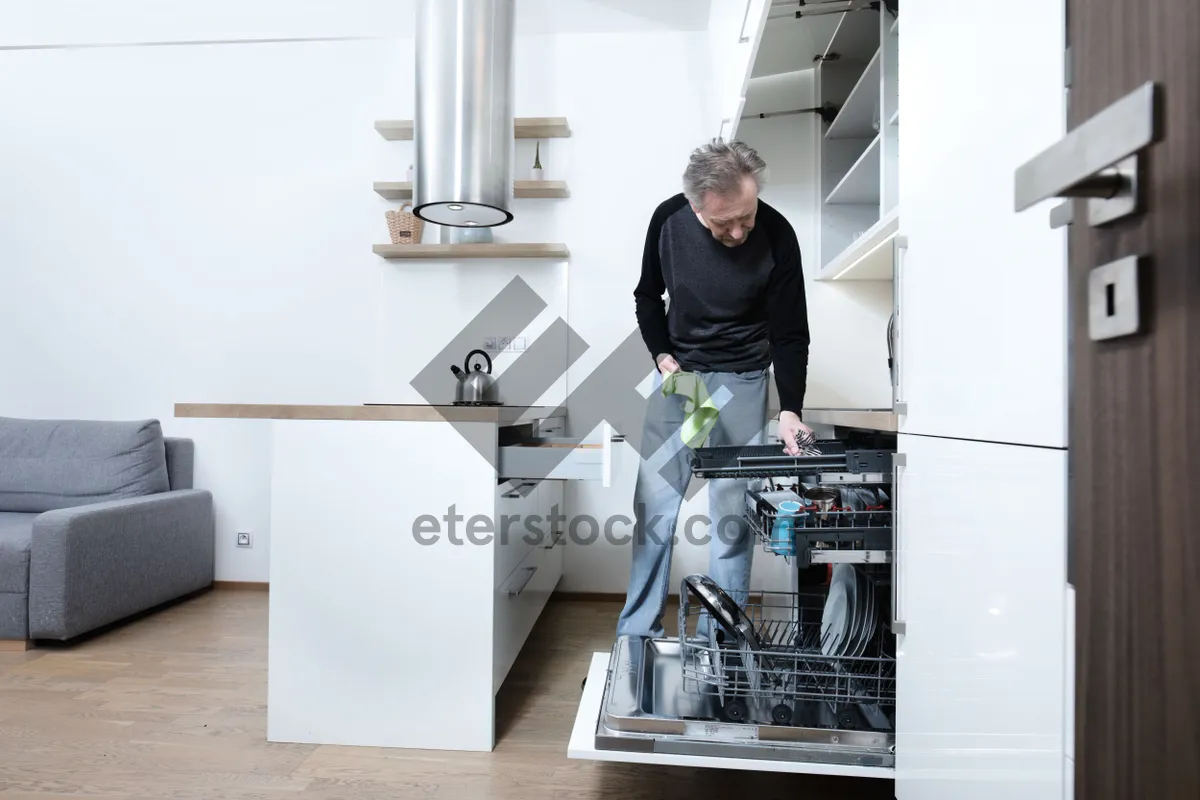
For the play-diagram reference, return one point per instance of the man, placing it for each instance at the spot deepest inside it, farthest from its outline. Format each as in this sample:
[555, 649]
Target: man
[731, 266]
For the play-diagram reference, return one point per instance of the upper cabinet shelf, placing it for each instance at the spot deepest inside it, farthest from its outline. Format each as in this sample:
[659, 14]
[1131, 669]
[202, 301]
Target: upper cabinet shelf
[523, 128]
[857, 115]
[860, 186]
[402, 190]
[856, 37]
[869, 257]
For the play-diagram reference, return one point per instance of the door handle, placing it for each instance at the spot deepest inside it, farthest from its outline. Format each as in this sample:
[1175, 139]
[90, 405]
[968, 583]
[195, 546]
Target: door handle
[896, 336]
[1098, 160]
[607, 456]
[529, 573]
[721, 132]
[1062, 215]
[899, 627]
[742, 37]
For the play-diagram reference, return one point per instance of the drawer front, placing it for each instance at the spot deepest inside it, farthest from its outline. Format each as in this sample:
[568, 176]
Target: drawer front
[519, 602]
[560, 459]
[516, 505]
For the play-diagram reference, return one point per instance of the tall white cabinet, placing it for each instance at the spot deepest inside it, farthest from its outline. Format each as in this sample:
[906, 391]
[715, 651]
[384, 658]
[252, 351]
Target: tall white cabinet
[982, 350]
[982, 290]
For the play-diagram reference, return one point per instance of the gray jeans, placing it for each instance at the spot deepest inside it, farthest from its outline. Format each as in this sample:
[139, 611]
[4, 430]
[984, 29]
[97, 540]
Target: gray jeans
[663, 476]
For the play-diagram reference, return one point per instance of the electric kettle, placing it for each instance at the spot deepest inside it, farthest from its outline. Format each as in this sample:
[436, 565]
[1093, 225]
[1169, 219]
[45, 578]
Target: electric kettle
[475, 386]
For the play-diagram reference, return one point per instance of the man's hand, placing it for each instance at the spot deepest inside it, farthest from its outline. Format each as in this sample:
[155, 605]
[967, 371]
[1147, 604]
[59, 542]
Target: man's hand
[793, 432]
[667, 364]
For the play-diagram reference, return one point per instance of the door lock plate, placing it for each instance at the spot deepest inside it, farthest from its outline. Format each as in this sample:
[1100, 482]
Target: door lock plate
[1114, 308]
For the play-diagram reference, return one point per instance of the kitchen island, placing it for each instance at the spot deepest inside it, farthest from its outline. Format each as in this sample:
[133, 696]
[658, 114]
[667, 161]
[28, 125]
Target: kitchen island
[413, 548]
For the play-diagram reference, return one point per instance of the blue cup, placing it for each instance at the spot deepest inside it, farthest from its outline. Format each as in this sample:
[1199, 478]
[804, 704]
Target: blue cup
[783, 540]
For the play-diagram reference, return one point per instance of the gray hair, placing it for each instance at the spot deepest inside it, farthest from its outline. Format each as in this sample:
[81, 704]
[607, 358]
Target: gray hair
[719, 167]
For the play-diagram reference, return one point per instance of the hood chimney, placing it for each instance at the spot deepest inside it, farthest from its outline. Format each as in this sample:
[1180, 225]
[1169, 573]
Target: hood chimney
[463, 126]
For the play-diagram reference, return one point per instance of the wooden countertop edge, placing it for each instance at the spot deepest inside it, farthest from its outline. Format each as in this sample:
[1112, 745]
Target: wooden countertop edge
[366, 413]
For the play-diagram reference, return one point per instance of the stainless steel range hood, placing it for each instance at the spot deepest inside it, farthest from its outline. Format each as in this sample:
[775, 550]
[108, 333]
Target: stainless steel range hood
[463, 129]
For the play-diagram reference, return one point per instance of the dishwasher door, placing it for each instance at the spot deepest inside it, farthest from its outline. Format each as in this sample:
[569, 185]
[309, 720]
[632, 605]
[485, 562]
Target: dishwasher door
[623, 717]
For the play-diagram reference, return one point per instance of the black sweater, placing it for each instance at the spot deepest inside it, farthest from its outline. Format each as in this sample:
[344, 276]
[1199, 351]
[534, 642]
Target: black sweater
[732, 309]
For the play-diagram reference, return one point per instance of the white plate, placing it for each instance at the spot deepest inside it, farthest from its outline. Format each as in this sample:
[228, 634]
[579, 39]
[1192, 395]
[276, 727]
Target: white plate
[861, 604]
[870, 615]
[837, 621]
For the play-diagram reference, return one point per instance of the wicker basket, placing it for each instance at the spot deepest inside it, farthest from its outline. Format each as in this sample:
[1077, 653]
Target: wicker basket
[404, 226]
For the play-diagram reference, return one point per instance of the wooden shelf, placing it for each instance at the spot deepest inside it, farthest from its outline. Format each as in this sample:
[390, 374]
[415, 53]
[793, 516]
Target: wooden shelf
[541, 189]
[857, 113]
[402, 190]
[860, 185]
[458, 252]
[868, 258]
[396, 130]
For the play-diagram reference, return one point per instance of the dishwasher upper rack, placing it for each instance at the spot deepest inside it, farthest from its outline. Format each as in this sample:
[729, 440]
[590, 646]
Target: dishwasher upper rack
[845, 534]
[769, 461]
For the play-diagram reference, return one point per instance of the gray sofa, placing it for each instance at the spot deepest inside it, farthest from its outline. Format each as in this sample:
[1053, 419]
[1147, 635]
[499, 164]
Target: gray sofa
[98, 521]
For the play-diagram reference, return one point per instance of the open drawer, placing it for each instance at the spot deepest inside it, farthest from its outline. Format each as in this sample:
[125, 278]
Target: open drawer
[538, 458]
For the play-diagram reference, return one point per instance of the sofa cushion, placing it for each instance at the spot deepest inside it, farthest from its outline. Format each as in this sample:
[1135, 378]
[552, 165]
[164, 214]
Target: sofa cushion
[49, 464]
[16, 532]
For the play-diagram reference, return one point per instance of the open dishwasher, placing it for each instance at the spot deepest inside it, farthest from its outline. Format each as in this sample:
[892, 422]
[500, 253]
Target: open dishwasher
[805, 676]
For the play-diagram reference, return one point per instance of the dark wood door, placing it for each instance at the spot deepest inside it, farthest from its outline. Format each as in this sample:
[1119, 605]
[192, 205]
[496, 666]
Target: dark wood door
[1135, 423]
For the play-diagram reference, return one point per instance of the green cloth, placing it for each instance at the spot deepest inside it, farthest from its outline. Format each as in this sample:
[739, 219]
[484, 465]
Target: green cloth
[697, 405]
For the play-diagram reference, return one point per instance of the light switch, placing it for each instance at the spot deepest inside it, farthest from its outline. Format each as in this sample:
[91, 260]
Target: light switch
[1113, 305]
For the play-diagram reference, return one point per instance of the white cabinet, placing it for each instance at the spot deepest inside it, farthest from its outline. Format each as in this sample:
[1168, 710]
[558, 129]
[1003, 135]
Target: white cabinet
[516, 507]
[982, 320]
[524, 591]
[735, 29]
[981, 572]
[406, 576]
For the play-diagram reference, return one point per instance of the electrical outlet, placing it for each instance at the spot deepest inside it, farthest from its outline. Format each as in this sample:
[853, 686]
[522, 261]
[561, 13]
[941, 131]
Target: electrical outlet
[489, 343]
[505, 343]
[243, 539]
[518, 344]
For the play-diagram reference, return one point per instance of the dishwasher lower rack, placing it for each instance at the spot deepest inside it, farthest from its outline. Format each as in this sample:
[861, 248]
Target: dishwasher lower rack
[645, 709]
[800, 676]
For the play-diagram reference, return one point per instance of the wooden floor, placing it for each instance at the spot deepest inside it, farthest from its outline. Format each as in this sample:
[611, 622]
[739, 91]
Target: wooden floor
[174, 706]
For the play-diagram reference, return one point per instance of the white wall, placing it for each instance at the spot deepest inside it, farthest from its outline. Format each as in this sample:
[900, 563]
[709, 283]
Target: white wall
[190, 224]
[194, 223]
